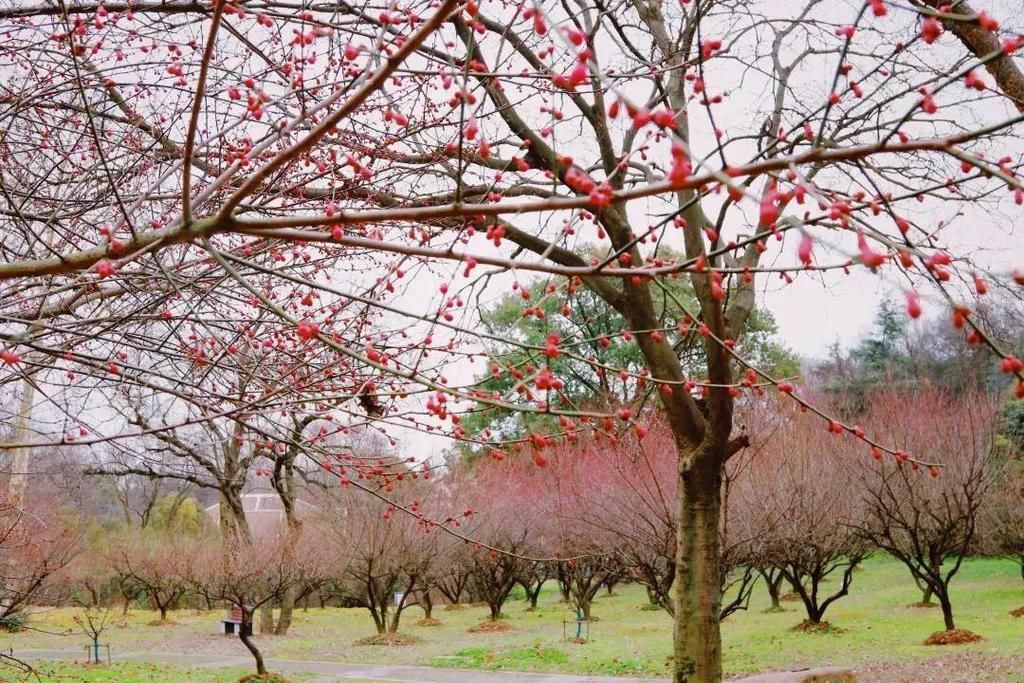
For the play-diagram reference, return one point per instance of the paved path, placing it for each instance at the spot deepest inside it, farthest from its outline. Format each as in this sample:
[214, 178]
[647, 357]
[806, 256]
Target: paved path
[339, 671]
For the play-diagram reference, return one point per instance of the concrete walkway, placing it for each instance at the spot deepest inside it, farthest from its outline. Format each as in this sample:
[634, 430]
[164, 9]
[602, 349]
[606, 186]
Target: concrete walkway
[339, 671]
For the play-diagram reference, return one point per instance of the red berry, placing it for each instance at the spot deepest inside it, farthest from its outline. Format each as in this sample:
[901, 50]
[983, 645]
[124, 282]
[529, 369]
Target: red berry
[105, 268]
[930, 29]
[913, 304]
[308, 330]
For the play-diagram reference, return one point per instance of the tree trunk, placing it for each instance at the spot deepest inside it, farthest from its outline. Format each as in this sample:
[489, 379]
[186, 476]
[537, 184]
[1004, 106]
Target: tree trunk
[284, 621]
[284, 483]
[564, 588]
[261, 668]
[393, 626]
[698, 644]
[927, 588]
[427, 604]
[652, 597]
[127, 602]
[584, 606]
[18, 459]
[773, 580]
[814, 613]
[495, 610]
[947, 609]
[233, 523]
[533, 595]
[379, 611]
[267, 619]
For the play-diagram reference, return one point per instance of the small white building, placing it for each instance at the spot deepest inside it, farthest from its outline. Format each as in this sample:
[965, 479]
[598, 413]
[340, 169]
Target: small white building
[264, 511]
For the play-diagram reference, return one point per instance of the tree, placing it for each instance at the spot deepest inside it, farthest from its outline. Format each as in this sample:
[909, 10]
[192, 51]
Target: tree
[250, 576]
[514, 340]
[142, 498]
[1003, 521]
[496, 572]
[291, 192]
[1012, 415]
[931, 526]
[533, 579]
[151, 562]
[214, 455]
[283, 479]
[36, 546]
[388, 554]
[900, 351]
[808, 513]
[93, 620]
[508, 509]
[453, 572]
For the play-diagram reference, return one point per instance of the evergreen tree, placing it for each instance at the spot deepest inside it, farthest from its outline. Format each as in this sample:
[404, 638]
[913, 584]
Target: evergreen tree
[579, 317]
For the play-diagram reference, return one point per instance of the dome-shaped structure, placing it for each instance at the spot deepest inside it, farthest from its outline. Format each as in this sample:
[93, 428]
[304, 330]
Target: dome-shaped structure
[264, 511]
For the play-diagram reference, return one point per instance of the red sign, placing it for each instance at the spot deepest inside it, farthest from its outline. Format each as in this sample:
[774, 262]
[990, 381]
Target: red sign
[236, 614]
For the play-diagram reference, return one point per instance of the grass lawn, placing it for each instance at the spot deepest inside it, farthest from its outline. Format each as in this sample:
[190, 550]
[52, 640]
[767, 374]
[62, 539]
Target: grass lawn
[132, 672]
[878, 628]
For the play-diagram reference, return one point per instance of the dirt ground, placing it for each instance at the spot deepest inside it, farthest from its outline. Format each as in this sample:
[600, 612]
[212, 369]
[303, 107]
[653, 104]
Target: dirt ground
[955, 667]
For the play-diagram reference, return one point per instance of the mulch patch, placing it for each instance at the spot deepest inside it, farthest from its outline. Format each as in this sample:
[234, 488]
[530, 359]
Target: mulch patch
[957, 636]
[790, 597]
[388, 639]
[454, 606]
[491, 627]
[923, 605]
[1019, 612]
[807, 626]
[428, 622]
[269, 677]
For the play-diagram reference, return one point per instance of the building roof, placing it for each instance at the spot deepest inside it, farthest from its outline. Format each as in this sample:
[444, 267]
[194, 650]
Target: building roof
[264, 512]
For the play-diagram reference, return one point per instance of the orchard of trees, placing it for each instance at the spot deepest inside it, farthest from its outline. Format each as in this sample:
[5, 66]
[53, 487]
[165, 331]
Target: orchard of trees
[308, 242]
[802, 510]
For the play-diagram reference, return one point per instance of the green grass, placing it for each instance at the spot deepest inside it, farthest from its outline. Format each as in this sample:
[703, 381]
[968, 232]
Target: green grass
[877, 620]
[513, 659]
[877, 625]
[131, 672]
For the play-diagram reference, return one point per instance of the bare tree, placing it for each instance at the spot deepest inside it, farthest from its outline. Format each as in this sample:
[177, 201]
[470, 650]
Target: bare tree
[151, 561]
[533, 579]
[389, 557]
[453, 571]
[93, 620]
[250, 576]
[35, 548]
[810, 512]
[931, 526]
[495, 573]
[1003, 520]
